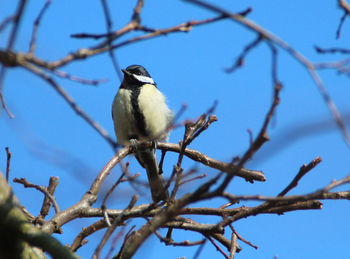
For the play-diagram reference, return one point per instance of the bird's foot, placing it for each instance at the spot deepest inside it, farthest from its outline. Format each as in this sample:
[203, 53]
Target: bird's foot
[133, 144]
[155, 143]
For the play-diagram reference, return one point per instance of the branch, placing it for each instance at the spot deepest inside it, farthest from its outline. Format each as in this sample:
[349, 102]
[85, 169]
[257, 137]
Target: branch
[303, 171]
[13, 221]
[109, 27]
[346, 8]
[71, 102]
[332, 50]
[9, 155]
[240, 60]
[40, 188]
[88, 198]
[16, 20]
[111, 229]
[47, 202]
[80, 240]
[248, 175]
[36, 26]
[250, 25]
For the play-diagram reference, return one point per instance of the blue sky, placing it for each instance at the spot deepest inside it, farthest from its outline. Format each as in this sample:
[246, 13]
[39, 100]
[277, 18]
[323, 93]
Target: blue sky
[47, 138]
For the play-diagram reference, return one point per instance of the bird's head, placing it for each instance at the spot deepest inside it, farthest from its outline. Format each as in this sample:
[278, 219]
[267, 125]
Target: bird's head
[137, 74]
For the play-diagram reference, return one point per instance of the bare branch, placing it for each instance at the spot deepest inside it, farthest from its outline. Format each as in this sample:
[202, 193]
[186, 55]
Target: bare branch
[37, 21]
[6, 21]
[109, 28]
[111, 229]
[80, 240]
[241, 238]
[332, 50]
[71, 103]
[40, 188]
[248, 175]
[217, 247]
[295, 54]
[16, 20]
[303, 171]
[47, 202]
[346, 8]
[88, 198]
[240, 60]
[8, 154]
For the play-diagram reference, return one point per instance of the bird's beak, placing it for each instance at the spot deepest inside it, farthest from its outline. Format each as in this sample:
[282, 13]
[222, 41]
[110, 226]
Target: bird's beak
[126, 73]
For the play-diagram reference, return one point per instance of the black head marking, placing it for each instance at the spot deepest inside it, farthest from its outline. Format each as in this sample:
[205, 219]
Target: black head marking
[135, 76]
[138, 70]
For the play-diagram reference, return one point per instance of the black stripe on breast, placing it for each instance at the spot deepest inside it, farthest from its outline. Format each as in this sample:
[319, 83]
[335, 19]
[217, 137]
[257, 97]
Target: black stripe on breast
[138, 115]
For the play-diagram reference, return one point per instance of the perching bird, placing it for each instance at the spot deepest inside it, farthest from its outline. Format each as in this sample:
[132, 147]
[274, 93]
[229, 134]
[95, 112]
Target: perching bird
[140, 113]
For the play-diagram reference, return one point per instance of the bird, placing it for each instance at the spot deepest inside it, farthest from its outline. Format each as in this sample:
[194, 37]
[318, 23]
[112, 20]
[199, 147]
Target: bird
[140, 113]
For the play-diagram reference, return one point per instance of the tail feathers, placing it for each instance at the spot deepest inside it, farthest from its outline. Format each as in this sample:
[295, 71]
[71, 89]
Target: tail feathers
[147, 159]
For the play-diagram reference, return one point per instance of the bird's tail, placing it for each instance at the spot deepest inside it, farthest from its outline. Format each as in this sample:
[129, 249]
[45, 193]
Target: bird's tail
[147, 159]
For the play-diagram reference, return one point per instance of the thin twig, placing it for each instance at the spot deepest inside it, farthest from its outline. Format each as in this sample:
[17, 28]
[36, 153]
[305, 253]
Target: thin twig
[218, 248]
[199, 250]
[8, 160]
[241, 238]
[114, 242]
[11, 41]
[303, 171]
[183, 243]
[6, 21]
[109, 29]
[201, 176]
[240, 60]
[111, 229]
[332, 50]
[295, 54]
[79, 79]
[16, 22]
[72, 103]
[80, 240]
[40, 188]
[346, 8]
[103, 206]
[259, 141]
[340, 26]
[32, 43]
[47, 202]
[2, 99]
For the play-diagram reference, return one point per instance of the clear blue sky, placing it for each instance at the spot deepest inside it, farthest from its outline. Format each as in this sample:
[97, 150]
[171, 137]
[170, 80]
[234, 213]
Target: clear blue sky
[47, 138]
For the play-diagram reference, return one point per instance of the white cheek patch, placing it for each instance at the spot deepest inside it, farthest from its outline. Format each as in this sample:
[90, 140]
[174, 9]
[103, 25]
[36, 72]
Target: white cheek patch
[144, 79]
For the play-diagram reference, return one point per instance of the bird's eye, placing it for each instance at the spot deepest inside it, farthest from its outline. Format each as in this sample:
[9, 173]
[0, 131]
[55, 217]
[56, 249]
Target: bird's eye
[138, 73]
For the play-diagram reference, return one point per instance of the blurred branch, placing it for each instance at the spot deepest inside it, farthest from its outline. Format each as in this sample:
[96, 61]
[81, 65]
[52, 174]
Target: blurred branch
[16, 18]
[32, 43]
[240, 60]
[109, 28]
[6, 21]
[111, 228]
[18, 237]
[332, 50]
[8, 160]
[71, 103]
[257, 143]
[346, 8]
[308, 65]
